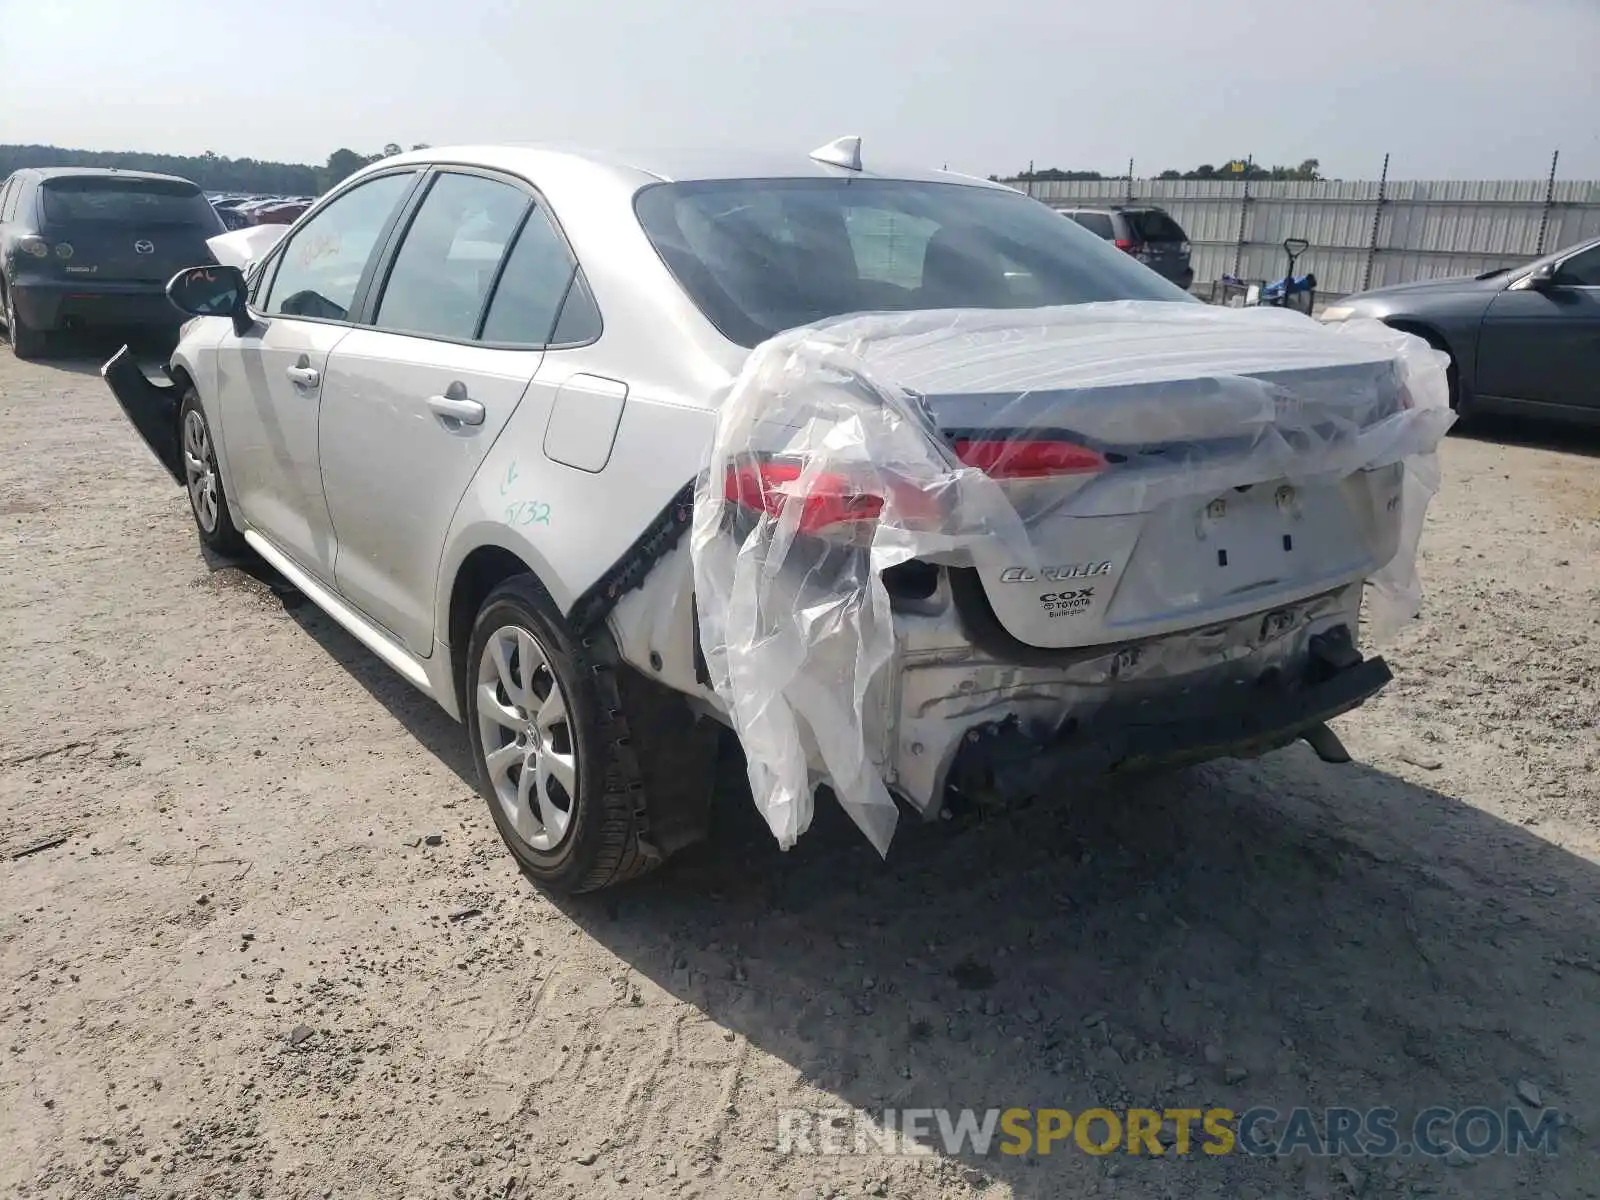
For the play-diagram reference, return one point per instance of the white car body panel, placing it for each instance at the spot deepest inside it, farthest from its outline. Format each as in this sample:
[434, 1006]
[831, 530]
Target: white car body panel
[269, 423]
[394, 469]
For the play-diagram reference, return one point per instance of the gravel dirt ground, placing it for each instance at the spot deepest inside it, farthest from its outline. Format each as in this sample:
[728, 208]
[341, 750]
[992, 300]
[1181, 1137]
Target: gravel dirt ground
[258, 937]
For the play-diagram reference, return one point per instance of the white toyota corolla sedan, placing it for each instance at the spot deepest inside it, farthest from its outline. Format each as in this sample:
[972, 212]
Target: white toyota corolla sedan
[1037, 515]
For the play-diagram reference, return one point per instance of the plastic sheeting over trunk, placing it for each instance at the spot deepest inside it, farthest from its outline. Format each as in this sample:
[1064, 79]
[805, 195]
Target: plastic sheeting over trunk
[1011, 441]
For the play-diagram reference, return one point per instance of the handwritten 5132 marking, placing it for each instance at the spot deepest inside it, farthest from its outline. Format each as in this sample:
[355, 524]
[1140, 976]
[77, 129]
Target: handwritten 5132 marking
[528, 512]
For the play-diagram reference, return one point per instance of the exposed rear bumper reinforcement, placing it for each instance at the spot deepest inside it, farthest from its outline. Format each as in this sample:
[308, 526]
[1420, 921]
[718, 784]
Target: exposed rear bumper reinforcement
[151, 408]
[1011, 762]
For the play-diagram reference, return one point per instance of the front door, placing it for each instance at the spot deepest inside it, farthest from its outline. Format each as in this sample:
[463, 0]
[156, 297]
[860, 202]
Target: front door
[271, 381]
[414, 402]
[1544, 344]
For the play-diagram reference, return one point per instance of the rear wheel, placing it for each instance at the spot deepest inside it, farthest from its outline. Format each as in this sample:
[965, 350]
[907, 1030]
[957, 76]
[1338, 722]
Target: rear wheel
[208, 499]
[551, 745]
[26, 342]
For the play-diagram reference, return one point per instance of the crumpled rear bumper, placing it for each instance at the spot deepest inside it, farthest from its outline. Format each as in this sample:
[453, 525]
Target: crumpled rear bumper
[1011, 761]
[980, 724]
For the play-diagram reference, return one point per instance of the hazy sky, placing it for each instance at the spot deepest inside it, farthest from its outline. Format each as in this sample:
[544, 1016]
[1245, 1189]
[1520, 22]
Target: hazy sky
[1453, 88]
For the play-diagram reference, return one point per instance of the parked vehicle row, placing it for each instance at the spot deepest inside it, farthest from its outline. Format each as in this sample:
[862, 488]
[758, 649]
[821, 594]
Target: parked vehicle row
[237, 212]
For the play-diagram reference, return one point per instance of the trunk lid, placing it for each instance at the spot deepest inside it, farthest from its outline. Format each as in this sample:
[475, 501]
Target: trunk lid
[1231, 472]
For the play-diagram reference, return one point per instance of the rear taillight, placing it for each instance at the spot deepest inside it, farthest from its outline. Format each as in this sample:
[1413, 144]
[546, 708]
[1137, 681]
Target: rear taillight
[829, 499]
[1125, 245]
[834, 505]
[35, 246]
[1028, 458]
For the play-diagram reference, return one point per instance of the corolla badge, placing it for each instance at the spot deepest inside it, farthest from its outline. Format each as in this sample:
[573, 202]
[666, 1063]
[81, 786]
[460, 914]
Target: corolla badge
[144, 247]
[1087, 570]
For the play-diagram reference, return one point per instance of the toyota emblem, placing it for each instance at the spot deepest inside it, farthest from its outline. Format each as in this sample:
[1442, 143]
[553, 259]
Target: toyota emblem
[144, 247]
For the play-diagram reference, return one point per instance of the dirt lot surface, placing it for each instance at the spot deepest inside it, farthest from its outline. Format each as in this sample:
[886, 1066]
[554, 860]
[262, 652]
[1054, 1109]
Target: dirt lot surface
[258, 937]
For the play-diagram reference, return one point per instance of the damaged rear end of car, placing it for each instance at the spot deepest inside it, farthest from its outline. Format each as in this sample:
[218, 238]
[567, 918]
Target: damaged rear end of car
[1001, 552]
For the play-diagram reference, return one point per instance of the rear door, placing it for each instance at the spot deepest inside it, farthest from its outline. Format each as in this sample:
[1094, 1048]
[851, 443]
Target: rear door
[1544, 345]
[124, 228]
[270, 381]
[417, 396]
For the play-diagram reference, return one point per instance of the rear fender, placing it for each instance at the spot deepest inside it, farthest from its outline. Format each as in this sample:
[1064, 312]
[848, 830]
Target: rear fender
[151, 408]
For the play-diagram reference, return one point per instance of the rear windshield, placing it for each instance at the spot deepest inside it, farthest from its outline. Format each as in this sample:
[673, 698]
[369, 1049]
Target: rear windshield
[126, 201]
[1149, 225]
[759, 256]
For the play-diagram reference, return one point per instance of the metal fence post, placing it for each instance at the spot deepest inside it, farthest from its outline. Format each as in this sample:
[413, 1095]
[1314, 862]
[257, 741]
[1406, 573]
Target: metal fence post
[1377, 216]
[1244, 214]
[1549, 203]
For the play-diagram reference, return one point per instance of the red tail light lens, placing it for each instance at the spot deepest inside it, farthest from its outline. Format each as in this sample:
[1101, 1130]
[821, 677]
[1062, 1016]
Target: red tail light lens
[1029, 459]
[1125, 244]
[831, 500]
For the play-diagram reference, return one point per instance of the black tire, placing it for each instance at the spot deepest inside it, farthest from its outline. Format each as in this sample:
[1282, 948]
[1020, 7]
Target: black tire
[223, 537]
[605, 840]
[26, 342]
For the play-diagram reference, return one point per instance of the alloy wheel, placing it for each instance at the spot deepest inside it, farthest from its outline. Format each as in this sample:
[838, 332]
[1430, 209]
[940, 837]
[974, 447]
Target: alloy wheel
[525, 730]
[200, 468]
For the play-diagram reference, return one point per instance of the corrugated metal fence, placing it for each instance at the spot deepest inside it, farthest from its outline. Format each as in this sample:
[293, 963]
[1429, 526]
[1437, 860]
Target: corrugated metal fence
[1362, 233]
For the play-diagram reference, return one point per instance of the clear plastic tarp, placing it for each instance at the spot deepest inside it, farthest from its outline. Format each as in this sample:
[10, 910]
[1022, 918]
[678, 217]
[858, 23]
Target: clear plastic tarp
[1088, 445]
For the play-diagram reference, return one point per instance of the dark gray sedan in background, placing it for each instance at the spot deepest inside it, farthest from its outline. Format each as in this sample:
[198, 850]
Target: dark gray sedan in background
[1520, 339]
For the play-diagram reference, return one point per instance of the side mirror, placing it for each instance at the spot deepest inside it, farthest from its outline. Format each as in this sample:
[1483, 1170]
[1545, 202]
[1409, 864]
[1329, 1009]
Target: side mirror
[213, 291]
[1542, 276]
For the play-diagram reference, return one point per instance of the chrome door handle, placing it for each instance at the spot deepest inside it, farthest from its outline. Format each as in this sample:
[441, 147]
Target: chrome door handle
[307, 377]
[468, 412]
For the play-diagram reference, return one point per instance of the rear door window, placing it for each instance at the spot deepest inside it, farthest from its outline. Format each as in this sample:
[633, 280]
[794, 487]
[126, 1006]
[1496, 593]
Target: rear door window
[528, 300]
[321, 267]
[1151, 226]
[112, 200]
[8, 198]
[1098, 224]
[450, 257]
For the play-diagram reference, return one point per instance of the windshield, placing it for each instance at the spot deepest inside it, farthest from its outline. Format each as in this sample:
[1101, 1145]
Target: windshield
[759, 256]
[110, 199]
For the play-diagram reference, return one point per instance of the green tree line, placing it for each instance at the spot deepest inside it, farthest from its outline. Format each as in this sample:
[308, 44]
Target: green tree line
[212, 171]
[1236, 168]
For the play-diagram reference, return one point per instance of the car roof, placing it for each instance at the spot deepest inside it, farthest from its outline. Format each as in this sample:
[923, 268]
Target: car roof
[106, 172]
[667, 165]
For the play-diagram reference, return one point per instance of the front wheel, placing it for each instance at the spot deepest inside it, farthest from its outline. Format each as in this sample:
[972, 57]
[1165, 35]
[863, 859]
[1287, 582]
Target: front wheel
[551, 746]
[208, 499]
